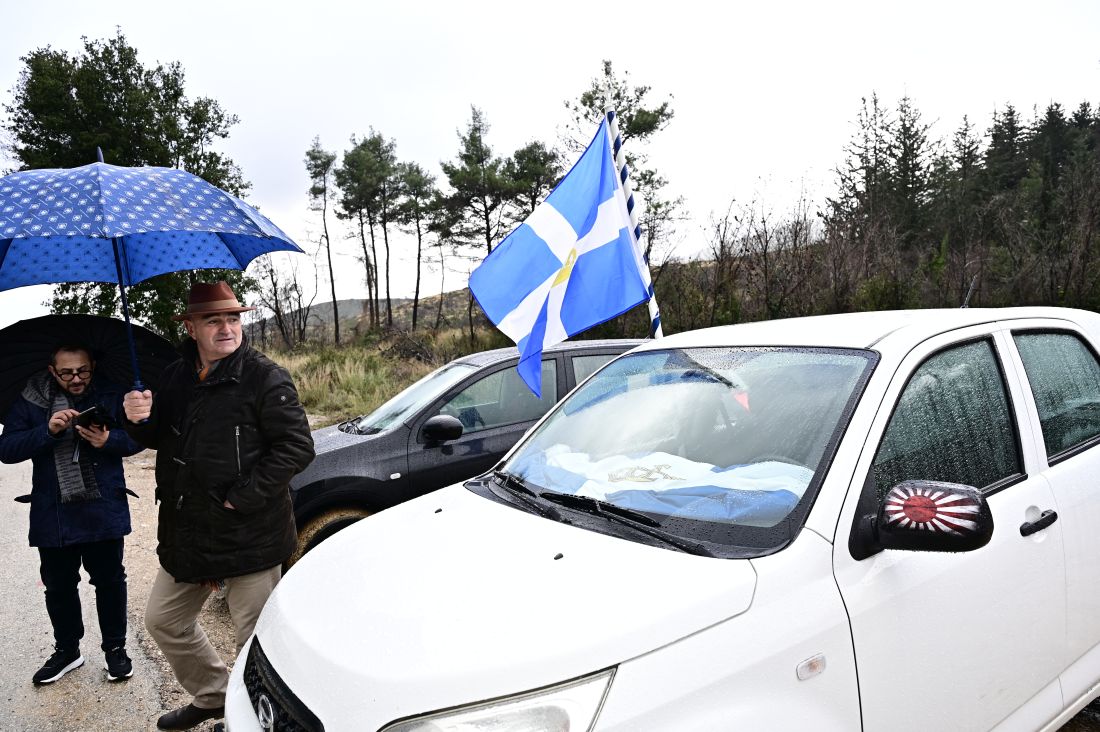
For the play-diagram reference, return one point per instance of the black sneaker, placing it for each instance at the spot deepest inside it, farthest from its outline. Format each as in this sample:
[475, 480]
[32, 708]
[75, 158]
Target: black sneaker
[118, 665]
[60, 663]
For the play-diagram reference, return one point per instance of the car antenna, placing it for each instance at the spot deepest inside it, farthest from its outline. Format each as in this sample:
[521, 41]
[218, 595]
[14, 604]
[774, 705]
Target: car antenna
[969, 292]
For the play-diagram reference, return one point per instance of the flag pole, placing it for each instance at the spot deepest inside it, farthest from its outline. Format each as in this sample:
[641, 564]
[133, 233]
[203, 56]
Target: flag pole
[636, 235]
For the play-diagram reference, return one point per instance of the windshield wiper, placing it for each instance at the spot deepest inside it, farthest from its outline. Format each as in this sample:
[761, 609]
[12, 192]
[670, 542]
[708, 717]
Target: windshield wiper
[516, 487]
[634, 519]
[350, 425]
[708, 371]
[595, 505]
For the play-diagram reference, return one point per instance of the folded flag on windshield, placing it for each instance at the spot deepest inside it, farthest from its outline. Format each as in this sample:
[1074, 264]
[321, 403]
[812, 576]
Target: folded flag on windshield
[573, 264]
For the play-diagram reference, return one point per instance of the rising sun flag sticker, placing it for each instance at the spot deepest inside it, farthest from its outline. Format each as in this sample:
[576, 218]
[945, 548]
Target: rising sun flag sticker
[932, 509]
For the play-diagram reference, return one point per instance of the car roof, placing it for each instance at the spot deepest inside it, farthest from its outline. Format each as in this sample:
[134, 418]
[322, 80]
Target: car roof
[496, 355]
[892, 328]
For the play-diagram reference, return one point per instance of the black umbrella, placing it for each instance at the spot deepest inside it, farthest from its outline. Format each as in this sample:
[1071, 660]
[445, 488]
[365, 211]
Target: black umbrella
[26, 346]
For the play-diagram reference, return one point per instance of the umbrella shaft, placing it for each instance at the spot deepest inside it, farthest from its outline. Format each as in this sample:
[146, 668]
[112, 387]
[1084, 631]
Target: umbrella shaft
[126, 315]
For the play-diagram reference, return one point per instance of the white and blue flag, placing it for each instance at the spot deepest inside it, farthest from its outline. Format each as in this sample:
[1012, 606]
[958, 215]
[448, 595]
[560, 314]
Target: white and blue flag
[574, 263]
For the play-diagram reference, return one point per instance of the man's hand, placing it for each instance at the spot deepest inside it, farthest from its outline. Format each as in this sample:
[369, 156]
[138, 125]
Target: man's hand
[60, 421]
[96, 435]
[138, 405]
[229, 505]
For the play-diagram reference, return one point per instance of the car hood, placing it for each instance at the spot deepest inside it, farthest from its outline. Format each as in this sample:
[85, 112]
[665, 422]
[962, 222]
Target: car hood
[453, 598]
[331, 440]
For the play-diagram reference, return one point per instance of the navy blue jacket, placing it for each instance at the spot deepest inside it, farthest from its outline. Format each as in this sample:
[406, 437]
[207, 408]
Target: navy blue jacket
[53, 524]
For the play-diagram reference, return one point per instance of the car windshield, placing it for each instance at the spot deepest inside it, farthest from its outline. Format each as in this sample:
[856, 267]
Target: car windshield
[712, 437]
[413, 398]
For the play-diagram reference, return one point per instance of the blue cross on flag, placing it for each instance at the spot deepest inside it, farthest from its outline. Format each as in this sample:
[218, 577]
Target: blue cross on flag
[574, 263]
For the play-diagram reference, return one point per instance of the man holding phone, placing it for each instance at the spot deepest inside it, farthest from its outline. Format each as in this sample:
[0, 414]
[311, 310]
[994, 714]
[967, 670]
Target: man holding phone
[79, 509]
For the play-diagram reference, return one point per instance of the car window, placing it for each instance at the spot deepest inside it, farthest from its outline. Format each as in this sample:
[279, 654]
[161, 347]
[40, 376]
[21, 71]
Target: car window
[412, 399]
[502, 398]
[585, 366]
[952, 423]
[1065, 380]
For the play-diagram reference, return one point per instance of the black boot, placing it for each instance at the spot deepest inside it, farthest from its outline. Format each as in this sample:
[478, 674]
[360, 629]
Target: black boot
[188, 717]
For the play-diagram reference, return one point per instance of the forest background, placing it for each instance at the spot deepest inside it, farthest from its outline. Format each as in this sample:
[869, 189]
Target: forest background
[1001, 211]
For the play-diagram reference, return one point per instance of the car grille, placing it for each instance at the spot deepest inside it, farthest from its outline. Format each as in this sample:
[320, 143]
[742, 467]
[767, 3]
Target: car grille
[289, 713]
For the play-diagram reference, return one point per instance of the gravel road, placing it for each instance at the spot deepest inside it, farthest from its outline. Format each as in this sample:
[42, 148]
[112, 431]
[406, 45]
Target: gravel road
[83, 701]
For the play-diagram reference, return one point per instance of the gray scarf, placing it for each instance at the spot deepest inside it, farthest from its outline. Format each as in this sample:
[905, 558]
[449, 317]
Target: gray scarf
[75, 475]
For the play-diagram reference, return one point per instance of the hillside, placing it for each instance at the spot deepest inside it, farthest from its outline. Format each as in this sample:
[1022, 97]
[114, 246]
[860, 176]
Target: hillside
[354, 318]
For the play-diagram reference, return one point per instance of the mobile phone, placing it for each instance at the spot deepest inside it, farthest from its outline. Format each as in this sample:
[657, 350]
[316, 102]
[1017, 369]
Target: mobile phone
[97, 415]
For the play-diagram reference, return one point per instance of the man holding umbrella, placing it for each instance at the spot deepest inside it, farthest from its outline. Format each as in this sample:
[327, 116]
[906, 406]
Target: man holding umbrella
[79, 509]
[230, 434]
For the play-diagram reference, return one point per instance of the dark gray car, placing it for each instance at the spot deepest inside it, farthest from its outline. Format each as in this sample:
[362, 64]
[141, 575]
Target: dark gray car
[453, 424]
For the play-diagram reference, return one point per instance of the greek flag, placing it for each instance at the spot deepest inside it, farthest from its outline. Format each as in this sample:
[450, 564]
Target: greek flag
[573, 264]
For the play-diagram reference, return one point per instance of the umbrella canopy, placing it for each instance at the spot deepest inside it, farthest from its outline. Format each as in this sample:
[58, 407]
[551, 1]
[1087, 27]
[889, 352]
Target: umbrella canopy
[26, 346]
[62, 225]
[105, 223]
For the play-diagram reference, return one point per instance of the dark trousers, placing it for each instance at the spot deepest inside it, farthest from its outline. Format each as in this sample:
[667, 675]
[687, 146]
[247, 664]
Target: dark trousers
[60, 571]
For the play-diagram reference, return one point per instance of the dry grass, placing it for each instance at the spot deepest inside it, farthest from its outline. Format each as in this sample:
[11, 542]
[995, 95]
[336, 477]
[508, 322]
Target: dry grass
[337, 383]
[345, 382]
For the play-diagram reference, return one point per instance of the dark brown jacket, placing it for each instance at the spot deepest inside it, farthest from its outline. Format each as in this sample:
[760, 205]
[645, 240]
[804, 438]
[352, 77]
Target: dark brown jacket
[240, 435]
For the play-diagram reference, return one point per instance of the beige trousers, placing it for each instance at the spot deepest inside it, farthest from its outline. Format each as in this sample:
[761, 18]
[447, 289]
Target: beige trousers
[170, 618]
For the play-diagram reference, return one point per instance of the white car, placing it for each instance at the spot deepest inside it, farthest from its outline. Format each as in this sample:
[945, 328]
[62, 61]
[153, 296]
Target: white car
[878, 521]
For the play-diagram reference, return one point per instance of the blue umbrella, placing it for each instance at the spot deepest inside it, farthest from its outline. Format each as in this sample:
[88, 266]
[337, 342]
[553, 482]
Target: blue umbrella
[106, 223]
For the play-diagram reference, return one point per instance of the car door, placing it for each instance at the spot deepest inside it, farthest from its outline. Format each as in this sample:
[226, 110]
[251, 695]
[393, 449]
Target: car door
[957, 641]
[1063, 375]
[495, 407]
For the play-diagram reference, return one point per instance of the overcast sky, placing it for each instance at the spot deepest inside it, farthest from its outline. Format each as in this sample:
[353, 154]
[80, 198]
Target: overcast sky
[765, 94]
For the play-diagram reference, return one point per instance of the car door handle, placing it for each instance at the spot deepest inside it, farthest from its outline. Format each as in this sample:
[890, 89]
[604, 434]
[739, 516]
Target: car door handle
[1045, 519]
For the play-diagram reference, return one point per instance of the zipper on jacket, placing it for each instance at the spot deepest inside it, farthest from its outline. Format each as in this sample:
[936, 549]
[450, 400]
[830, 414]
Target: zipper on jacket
[179, 503]
[237, 440]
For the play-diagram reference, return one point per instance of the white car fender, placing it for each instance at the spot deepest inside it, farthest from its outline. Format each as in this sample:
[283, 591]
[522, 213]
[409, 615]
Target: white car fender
[743, 673]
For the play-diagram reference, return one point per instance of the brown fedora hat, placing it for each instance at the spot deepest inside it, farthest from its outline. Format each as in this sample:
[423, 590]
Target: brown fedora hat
[207, 299]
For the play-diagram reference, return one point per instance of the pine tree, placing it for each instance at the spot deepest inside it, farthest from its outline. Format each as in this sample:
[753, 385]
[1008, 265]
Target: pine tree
[533, 170]
[1006, 156]
[65, 106]
[418, 195]
[481, 194]
[639, 122]
[320, 164]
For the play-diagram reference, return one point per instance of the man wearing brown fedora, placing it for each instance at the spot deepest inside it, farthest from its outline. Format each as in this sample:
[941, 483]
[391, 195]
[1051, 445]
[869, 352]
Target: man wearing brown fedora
[230, 434]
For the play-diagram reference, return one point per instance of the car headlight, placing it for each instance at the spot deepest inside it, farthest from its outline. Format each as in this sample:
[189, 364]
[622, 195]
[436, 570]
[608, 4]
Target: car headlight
[570, 706]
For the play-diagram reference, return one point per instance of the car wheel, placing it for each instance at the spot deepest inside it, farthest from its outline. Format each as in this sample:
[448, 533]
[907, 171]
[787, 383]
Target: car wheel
[321, 527]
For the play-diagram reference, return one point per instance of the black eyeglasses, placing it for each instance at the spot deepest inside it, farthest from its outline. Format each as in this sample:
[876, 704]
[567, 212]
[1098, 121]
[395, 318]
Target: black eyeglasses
[68, 375]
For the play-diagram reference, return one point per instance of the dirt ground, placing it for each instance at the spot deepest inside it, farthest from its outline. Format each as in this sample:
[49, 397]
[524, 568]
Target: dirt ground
[83, 701]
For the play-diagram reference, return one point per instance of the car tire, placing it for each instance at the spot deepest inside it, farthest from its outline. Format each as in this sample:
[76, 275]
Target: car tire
[321, 527]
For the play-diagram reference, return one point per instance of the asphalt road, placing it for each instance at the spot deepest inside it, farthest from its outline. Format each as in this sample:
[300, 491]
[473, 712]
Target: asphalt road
[83, 700]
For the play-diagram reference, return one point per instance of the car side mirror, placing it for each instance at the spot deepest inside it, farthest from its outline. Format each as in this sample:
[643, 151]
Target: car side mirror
[441, 428]
[925, 515]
